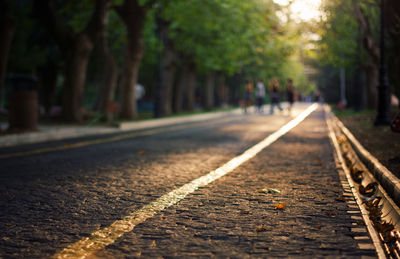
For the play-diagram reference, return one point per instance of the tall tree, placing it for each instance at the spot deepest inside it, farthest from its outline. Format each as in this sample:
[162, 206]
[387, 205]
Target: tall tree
[133, 14]
[221, 90]
[180, 86]
[225, 37]
[7, 27]
[76, 48]
[346, 24]
[338, 45]
[372, 49]
[108, 71]
[184, 95]
[190, 89]
[164, 88]
[209, 91]
[393, 22]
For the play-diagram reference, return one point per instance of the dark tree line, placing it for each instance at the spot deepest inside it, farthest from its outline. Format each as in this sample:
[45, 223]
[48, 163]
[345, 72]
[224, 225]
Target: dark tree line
[182, 49]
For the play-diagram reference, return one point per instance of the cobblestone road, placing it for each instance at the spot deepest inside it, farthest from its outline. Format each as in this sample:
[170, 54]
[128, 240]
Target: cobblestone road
[52, 200]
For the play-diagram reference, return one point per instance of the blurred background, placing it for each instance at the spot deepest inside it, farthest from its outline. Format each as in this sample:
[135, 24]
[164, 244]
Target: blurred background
[104, 61]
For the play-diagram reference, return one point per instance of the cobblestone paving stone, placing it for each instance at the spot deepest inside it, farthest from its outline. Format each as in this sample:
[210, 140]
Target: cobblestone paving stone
[51, 200]
[222, 219]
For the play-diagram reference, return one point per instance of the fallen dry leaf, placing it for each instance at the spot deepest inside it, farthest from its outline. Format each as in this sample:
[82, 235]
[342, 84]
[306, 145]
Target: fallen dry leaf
[244, 212]
[341, 139]
[330, 213]
[357, 174]
[268, 190]
[280, 205]
[369, 190]
[318, 161]
[375, 214]
[261, 229]
[373, 202]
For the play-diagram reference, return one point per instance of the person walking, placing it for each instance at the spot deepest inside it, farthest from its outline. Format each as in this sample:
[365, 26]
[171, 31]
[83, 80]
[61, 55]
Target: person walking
[290, 94]
[260, 95]
[274, 95]
[248, 92]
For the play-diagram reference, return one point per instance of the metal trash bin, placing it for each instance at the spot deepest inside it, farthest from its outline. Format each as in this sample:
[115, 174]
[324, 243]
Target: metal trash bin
[23, 100]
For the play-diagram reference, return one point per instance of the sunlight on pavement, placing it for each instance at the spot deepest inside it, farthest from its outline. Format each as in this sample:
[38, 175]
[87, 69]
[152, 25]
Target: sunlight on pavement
[106, 236]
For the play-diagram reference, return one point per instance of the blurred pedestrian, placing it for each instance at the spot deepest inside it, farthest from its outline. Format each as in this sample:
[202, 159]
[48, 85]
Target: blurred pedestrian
[290, 94]
[260, 95]
[139, 92]
[248, 95]
[274, 95]
[317, 97]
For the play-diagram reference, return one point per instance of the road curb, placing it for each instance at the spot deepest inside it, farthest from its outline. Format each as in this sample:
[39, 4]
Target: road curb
[385, 177]
[51, 134]
[67, 132]
[138, 125]
[346, 179]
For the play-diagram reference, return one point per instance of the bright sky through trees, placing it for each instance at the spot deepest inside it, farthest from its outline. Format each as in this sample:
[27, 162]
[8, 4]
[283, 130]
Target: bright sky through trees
[303, 9]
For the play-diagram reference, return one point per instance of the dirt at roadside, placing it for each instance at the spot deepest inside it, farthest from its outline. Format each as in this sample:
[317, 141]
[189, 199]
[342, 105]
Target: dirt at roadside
[379, 141]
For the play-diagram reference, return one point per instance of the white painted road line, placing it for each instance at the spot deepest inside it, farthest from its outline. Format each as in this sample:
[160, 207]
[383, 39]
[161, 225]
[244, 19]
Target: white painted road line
[106, 236]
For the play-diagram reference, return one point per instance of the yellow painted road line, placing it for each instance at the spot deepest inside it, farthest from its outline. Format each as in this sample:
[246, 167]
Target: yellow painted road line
[100, 141]
[100, 239]
[80, 144]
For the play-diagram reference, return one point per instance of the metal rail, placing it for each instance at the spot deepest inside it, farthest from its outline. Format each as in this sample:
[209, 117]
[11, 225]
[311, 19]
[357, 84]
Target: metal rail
[380, 213]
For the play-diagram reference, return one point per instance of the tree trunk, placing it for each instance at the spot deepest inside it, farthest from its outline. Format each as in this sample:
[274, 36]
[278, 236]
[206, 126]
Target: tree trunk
[397, 89]
[372, 82]
[234, 83]
[191, 88]
[133, 15]
[163, 102]
[168, 69]
[106, 78]
[209, 92]
[7, 27]
[222, 91]
[179, 89]
[108, 71]
[372, 49]
[368, 41]
[75, 76]
[109, 86]
[395, 67]
[128, 84]
[393, 18]
[358, 92]
[48, 81]
[76, 49]
[393, 21]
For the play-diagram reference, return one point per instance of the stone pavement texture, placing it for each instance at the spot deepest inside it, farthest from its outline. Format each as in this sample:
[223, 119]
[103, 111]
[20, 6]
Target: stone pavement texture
[230, 218]
[51, 200]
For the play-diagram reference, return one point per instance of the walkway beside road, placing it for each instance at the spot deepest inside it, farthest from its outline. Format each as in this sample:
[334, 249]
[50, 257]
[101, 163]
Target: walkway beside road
[59, 132]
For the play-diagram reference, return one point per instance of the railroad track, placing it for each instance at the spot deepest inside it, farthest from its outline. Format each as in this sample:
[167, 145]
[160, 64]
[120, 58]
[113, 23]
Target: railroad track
[376, 189]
